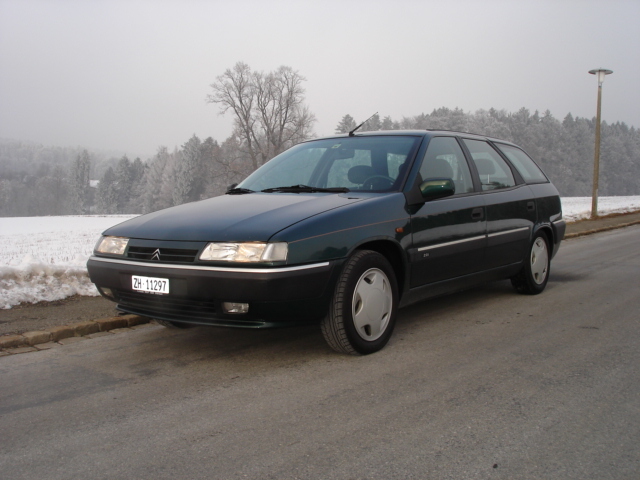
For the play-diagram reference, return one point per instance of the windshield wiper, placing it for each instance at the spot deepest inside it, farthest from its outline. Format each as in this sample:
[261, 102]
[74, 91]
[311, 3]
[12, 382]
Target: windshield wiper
[305, 189]
[238, 191]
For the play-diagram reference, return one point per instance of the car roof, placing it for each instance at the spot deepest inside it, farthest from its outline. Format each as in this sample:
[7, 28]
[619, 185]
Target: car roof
[422, 133]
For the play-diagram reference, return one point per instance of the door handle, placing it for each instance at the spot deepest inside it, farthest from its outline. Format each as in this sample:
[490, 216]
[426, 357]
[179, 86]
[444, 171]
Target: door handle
[531, 206]
[477, 213]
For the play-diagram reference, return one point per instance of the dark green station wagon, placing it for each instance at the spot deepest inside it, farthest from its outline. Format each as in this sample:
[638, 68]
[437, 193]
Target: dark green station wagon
[341, 231]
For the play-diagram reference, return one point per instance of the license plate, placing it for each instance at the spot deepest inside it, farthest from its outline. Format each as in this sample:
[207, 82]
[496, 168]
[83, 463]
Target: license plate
[150, 284]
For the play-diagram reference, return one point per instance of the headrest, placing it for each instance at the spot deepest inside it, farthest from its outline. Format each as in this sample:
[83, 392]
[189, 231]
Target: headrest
[439, 168]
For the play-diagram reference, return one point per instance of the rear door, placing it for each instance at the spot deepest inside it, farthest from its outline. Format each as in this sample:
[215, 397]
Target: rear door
[510, 206]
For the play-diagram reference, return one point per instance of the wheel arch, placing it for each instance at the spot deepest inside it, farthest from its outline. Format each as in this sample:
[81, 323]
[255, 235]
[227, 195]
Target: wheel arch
[394, 254]
[548, 231]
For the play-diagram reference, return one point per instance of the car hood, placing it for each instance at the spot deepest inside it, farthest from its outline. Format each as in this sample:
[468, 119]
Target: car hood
[249, 217]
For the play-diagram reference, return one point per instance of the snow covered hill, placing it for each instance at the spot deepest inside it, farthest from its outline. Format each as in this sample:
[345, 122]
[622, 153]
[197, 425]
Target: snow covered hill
[43, 258]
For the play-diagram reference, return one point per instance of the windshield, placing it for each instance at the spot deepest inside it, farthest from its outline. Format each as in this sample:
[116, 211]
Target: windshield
[371, 163]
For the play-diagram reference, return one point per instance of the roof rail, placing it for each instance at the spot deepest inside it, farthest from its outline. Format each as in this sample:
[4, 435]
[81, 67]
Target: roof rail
[465, 133]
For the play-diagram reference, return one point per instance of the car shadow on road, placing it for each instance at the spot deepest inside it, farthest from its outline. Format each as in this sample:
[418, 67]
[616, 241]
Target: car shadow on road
[204, 342]
[183, 346]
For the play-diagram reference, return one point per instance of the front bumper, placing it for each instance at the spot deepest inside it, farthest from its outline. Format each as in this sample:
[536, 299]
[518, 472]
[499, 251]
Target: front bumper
[276, 296]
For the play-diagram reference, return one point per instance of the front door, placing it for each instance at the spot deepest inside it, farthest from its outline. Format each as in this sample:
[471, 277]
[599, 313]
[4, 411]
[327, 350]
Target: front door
[449, 234]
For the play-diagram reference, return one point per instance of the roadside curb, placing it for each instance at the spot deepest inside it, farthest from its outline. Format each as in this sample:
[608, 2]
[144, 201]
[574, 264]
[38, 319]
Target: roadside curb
[569, 235]
[30, 341]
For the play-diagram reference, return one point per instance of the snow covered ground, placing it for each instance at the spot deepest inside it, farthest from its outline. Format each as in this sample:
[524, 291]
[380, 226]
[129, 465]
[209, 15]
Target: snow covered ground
[579, 208]
[44, 258]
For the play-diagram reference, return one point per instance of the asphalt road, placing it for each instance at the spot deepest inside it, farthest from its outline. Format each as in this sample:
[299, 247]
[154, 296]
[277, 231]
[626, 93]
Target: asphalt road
[484, 384]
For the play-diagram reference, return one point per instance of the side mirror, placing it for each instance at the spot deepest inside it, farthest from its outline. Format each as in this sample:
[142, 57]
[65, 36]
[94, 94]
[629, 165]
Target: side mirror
[434, 188]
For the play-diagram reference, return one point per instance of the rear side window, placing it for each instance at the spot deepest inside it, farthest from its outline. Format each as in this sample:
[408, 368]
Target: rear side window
[523, 163]
[494, 171]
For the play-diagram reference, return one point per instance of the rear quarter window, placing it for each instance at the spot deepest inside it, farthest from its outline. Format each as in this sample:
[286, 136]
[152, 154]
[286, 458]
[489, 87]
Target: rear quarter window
[523, 163]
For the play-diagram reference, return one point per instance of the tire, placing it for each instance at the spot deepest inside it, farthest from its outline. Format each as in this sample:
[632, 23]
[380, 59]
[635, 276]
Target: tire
[533, 277]
[363, 309]
[168, 324]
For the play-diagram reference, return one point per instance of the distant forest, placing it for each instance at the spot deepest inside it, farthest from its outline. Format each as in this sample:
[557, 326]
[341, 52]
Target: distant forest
[39, 180]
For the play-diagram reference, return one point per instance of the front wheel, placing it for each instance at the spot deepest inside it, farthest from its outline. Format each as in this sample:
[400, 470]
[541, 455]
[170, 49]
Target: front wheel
[363, 309]
[533, 277]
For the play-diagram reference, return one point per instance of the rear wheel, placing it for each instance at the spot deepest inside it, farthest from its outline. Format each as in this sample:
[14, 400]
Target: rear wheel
[363, 308]
[534, 275]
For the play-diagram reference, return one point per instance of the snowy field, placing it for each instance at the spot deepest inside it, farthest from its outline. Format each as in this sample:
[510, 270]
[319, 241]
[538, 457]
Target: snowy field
[44, 258]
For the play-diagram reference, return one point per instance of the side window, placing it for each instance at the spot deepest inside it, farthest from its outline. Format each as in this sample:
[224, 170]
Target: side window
[494, 171]
[524, 164]
[444, 159]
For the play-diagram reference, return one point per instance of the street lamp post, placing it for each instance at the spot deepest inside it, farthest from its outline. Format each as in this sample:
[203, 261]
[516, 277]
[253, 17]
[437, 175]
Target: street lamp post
[600, 73]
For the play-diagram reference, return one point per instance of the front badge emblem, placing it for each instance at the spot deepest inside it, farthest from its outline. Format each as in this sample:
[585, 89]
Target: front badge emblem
[156, 255]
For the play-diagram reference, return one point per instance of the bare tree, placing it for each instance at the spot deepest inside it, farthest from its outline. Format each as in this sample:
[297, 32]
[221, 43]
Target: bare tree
[269, 112]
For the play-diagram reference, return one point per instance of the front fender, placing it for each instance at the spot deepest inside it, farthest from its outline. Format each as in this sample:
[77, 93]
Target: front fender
[335, 234]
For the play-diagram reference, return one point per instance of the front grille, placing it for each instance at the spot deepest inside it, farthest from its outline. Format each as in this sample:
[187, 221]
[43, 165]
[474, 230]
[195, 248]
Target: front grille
[167, 307]
[179, 309]
[162, 255]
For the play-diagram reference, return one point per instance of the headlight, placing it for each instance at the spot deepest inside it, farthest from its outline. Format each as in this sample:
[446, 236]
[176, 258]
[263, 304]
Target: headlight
[245, 252]
[112, 245]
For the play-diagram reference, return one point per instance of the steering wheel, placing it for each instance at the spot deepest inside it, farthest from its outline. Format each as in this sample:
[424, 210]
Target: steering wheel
[381, 182]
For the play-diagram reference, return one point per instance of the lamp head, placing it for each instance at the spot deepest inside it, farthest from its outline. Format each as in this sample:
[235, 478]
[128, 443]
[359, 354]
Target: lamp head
[600, 73]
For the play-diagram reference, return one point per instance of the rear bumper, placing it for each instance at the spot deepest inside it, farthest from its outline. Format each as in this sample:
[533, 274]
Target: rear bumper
[276, 296]
[559, 228]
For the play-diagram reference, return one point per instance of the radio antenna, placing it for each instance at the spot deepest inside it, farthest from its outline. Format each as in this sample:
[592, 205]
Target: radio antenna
[353, 131]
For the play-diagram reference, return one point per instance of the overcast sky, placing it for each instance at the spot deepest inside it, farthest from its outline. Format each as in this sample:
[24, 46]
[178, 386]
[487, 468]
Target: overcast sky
[133, 75]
